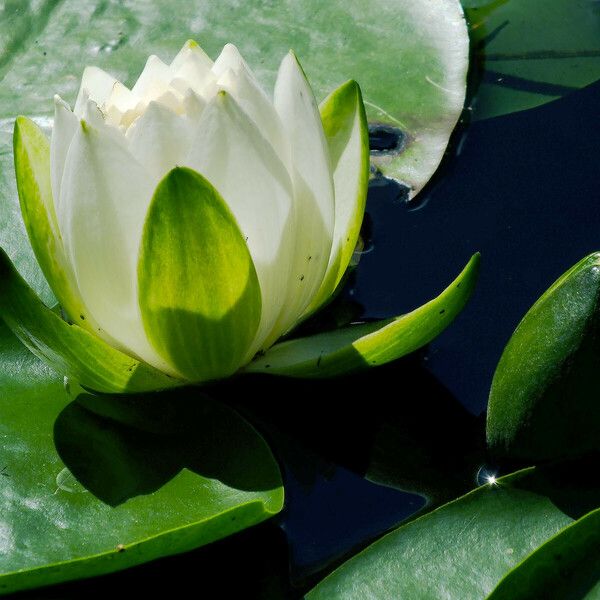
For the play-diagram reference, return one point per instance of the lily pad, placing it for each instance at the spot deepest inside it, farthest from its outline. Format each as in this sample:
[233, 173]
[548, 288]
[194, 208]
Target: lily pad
[544, 398]
[463, 549]
[532, 51]
[567, 566]
[85, 493]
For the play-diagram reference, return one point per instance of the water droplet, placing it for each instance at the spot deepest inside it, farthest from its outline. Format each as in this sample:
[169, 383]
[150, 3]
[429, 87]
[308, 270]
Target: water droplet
[486, 476]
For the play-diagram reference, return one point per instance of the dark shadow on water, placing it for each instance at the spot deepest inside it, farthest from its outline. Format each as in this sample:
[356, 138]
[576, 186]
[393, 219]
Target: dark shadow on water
[119, 447]
[396, 425]
[359, 453]
[570, 485]
[520, 189]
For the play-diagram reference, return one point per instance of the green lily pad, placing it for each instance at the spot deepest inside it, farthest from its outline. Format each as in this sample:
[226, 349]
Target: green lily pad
[463, 549]
[532, 51]
[567, 566]
[85, 493]
[544, 398]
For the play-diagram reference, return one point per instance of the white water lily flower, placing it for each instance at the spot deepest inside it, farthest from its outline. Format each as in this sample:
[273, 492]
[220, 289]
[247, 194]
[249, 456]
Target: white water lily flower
[188, 223]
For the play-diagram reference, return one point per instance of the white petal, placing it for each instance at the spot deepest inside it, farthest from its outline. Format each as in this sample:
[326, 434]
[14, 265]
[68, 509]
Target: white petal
[93, 116]
[95, 84]
[232, 154]
[193, 105]
[160, 139]
[314, 199]
[65, 126]
[230, 58]
[171, 99]
[193, 66]
[154, 80]
[105, 194]
[121, 102]
[345, 123]
[255, 103]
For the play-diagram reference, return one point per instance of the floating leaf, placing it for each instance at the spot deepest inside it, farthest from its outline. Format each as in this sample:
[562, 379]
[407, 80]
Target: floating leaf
[84, 494]
[544, 397]
[532, 51]
[566, 566]
[463, 549]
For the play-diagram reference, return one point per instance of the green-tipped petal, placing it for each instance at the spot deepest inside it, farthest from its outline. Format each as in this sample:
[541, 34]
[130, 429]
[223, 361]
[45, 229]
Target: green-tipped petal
[370, 344]
[68, 349]
[32, 167]
[346, 131]
[198, 288]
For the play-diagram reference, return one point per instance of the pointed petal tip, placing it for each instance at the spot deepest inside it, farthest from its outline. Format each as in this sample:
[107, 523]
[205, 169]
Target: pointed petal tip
[20, 121]
[291, 61]
[191, 44]
[60, 103]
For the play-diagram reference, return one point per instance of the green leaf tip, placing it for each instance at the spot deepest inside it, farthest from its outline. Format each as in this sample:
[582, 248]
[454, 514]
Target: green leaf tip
[543, 399]
[369, 344]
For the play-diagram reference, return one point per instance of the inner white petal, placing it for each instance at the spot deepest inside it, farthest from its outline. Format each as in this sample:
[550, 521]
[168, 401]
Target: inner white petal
[65, 126]
[313, 185]
[105, 194]
[160, 139]
[258, 106]
[235, 157]
[95, 84]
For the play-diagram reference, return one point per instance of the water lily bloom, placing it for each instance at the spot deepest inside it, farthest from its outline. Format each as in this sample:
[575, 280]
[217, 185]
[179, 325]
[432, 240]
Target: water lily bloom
[189, 222]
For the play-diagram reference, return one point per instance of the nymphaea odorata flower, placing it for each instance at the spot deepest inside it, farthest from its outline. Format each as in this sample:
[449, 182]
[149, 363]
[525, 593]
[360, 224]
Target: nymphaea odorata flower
[189, 222]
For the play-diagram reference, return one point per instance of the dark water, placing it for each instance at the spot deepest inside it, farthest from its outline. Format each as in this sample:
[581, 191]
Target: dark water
[524, 190]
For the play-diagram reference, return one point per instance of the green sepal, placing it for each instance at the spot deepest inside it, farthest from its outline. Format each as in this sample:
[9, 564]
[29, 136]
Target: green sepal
[69, 349]
[346, 131]
[32, 169]
[199, 293]
[370, 344]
